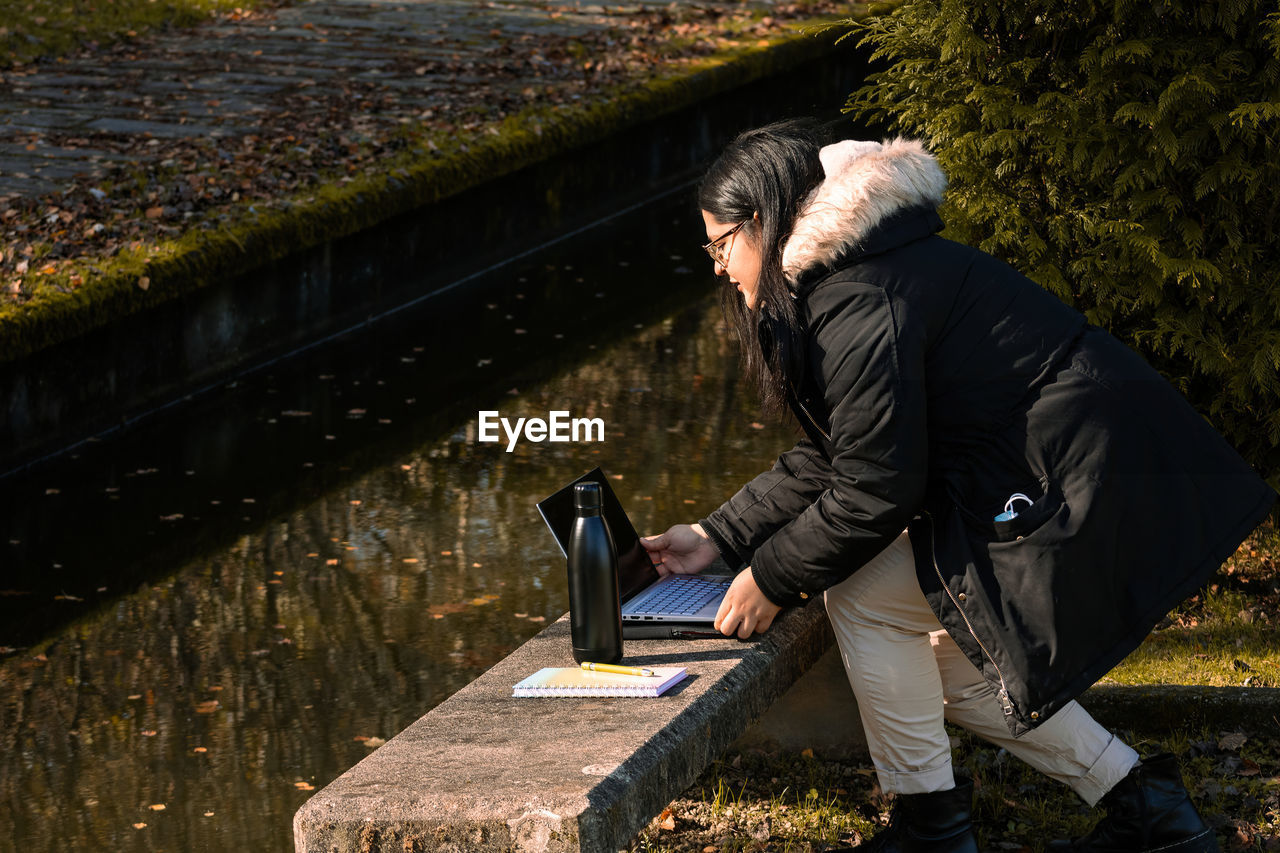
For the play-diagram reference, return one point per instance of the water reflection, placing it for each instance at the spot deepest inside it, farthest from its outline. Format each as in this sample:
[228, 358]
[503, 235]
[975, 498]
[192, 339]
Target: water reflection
[199, 711]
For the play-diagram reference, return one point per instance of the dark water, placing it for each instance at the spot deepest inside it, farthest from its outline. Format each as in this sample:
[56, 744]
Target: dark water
[210, 614]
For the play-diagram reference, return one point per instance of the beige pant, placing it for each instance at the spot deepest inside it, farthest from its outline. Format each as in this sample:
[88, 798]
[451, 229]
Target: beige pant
[908, 675]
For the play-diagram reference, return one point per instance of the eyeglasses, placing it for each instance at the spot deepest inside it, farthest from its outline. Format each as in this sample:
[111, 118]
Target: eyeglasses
[714, 249]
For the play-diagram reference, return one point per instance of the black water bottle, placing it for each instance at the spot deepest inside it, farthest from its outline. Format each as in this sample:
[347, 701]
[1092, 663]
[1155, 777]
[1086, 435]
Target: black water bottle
[595, 614]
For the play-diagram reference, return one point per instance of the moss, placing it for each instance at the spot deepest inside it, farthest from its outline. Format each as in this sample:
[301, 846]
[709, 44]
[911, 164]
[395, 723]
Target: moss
[407, 181]
[34, 29]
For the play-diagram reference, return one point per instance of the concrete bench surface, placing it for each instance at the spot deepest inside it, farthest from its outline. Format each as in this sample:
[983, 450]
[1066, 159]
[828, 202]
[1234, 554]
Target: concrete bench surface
[486, 771]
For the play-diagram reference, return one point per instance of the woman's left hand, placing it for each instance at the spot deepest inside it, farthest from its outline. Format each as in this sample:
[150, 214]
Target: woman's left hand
[745, 609]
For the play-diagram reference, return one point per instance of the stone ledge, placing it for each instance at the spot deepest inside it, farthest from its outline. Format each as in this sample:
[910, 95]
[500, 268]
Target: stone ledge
[820, 713]
[486, 772]
[1156, 707]
[483, 771]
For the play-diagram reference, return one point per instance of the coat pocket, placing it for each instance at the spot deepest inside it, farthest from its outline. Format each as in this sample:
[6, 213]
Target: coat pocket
[1029, 518]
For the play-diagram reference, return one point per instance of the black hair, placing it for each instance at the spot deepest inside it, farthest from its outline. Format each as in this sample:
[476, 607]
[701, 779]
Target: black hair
[764, 175]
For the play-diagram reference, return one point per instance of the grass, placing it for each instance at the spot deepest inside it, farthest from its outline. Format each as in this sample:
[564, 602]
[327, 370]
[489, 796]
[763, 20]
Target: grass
[34, 29]
[785, 802]
[1223, 637]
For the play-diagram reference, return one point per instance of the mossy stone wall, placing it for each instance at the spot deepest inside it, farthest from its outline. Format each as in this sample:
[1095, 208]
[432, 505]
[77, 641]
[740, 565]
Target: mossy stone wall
[230, 300]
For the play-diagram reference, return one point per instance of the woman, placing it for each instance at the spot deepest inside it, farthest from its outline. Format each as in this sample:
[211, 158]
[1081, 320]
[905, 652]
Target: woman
[997, 500]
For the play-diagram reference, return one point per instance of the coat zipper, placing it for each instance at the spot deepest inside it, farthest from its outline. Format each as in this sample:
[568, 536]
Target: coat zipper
[795, 395]
[805, 409]
[1003, 695]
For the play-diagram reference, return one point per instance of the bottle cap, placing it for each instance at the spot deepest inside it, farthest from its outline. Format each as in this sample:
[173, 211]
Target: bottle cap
[586, 496]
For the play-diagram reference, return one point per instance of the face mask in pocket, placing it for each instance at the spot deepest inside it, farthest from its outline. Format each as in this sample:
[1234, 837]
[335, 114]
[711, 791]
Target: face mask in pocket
[1010, 506]
[1022, 515]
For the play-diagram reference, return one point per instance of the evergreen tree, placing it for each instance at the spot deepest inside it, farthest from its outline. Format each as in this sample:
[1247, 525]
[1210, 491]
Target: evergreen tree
[1124, 155]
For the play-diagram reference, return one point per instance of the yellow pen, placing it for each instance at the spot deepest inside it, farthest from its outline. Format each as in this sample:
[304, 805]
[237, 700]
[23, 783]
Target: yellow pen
[619, 670]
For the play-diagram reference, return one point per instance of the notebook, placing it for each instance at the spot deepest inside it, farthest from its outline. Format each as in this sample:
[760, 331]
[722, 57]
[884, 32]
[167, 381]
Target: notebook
[575, 681]
[679, 606]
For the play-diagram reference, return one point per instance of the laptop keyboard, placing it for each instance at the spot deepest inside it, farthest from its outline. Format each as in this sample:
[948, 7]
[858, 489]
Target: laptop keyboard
[680, 596]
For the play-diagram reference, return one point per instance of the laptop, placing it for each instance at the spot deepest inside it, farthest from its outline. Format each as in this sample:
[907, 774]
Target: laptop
[678, 606]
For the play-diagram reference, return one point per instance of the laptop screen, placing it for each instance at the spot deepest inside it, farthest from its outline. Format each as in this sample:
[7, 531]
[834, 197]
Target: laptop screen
[635, 570]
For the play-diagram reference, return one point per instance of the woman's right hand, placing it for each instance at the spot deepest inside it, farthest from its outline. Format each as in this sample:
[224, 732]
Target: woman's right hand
[685, 549]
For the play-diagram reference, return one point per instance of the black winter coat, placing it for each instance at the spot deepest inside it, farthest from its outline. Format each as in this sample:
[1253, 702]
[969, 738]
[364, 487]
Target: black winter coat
[932, 382]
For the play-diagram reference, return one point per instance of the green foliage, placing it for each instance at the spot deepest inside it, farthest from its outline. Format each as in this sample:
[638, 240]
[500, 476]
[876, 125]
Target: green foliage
[1122, 154]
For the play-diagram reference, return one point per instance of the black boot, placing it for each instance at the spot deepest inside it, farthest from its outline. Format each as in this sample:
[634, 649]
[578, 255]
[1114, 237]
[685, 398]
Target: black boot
[1147, 811]
[937, 822]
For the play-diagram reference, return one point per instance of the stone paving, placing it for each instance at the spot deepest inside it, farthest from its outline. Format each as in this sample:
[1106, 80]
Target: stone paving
[393, 62]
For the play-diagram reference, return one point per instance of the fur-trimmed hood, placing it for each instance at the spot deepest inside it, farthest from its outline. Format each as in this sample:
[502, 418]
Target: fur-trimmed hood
[866, 182]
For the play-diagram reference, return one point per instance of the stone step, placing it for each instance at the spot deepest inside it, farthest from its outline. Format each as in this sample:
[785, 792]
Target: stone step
[486, 772]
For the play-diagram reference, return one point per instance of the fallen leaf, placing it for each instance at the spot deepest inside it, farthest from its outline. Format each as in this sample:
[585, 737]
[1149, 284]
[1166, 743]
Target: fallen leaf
[157, 807]
[207, 707]
[144, 283]
[667, 821]
[1232, 741]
